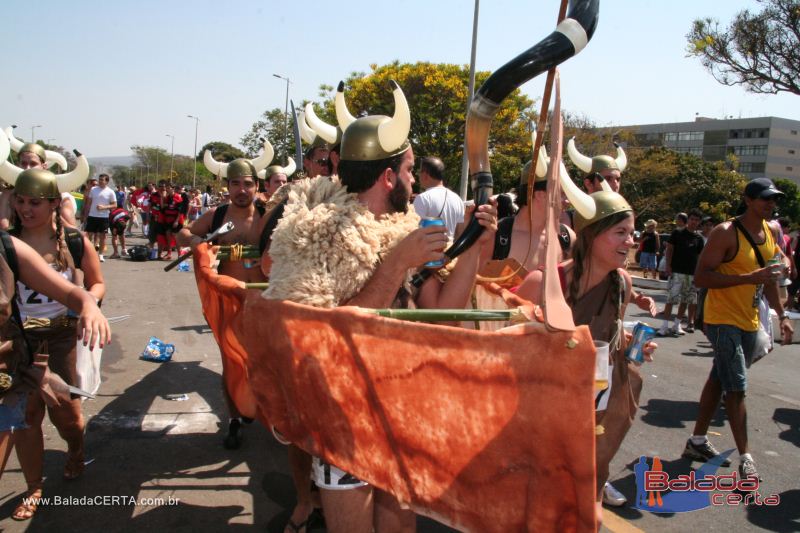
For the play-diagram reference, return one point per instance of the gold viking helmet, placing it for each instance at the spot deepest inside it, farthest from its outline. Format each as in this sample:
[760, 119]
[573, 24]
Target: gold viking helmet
[37, 183]
[221, 169]
[598, 162]
[590, 208]
[270, 171]
[240, 168]
[50, 157]
[379, 137]
[36, 149]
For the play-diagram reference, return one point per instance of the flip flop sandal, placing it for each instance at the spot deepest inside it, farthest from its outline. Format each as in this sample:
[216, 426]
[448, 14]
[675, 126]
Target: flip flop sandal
[26, 509]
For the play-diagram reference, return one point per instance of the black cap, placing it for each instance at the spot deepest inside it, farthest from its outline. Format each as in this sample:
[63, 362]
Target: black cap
[761, 188]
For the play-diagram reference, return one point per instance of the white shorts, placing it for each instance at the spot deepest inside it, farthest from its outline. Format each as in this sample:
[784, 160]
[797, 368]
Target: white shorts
[326, 476]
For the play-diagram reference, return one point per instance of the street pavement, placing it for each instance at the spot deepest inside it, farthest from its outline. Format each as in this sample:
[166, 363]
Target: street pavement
[168, 454]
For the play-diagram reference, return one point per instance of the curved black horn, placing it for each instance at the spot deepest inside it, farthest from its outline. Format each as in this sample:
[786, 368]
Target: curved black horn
[569, 38]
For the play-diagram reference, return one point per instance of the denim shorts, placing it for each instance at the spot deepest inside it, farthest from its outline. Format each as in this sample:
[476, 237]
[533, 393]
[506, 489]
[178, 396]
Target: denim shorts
[12, 411]
[730, 346]
[648, 261]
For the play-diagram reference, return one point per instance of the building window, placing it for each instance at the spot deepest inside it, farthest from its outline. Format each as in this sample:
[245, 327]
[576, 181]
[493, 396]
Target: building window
[751, 133]
[751, 167]
[748, 150]
[672, 136]
[694, 150]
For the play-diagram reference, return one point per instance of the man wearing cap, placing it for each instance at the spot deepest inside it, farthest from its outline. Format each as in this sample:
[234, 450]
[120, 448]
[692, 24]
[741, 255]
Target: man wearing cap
[649, 246]
[371, 242]
[732, 267]
[242, 181]
[438, 201]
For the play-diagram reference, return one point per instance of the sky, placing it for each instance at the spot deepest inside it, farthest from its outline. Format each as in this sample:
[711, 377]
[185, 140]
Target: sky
[101, 76]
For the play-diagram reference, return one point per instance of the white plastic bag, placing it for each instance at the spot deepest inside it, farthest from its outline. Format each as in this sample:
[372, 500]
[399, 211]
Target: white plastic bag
[88, 363]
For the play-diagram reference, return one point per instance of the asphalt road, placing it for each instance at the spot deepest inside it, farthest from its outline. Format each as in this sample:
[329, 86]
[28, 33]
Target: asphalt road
[146, 446]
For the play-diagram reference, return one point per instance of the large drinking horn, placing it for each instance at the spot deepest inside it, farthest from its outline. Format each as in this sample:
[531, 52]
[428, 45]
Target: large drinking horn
[570, 37]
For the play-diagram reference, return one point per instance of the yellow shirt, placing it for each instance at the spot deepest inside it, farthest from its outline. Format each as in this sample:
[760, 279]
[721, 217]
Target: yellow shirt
[734, 305]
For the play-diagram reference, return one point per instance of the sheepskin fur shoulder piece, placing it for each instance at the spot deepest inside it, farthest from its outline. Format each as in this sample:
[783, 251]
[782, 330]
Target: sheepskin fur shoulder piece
[327, 245]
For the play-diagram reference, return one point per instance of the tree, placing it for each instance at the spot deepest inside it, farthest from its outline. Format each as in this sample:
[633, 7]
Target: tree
[153, 163]
[760, 51]
[659, 183]
[271, 127]
[221, 151]
[789, 205]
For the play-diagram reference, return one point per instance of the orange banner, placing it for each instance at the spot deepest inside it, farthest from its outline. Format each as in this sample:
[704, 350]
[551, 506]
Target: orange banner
[483, 431]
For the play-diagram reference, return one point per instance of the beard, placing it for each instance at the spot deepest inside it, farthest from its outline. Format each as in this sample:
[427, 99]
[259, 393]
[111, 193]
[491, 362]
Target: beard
[398, 198]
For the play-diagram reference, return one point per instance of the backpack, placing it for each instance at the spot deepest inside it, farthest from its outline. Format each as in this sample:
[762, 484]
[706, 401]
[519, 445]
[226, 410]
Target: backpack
[221, 211]
[138, 253]
[502, 239]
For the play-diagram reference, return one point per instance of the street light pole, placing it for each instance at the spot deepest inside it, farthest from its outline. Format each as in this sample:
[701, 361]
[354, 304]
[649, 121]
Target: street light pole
[32, 129]
[194, 155]
[285, 118]
[462, 189]
[172, 157]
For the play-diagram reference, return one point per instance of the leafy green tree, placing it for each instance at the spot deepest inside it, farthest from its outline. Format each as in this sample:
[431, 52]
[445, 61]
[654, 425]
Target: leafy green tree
[271, 127]
[760, 51]
[789, 205]
[660, 182]
[221, 151]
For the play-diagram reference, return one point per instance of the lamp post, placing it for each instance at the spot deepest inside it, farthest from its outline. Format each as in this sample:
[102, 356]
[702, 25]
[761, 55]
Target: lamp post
[194, 155]
[285, 117]
[32, 129]
[172, 157]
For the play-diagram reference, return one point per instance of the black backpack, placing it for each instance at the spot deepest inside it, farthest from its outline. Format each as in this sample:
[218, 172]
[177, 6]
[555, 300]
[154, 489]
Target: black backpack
[138, 253]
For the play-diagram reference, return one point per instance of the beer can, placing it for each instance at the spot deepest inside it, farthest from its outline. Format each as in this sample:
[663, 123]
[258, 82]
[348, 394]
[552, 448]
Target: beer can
[642, 334]
[424, 222]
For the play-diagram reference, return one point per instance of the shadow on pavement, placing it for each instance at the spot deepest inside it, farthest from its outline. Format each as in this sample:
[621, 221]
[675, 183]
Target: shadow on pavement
[675, 414]
[139, 450]
[784, 517]
[199, 328]
[783, 416]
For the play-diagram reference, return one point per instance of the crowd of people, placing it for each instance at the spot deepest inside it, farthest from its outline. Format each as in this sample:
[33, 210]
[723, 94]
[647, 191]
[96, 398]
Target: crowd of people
[357, 187]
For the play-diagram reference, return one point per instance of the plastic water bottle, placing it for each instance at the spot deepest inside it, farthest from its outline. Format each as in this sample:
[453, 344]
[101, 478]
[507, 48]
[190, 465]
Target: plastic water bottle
[183, 266]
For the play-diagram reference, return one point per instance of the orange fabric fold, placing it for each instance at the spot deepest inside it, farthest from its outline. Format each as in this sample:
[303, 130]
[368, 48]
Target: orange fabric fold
[222, 298]
[482, 431]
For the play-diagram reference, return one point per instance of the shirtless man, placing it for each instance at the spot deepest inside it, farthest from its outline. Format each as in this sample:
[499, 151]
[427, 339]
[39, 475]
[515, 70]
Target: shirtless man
[242, 186]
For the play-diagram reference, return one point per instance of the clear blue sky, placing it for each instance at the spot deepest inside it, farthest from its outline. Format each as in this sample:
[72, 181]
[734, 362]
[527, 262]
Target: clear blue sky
[103, 75]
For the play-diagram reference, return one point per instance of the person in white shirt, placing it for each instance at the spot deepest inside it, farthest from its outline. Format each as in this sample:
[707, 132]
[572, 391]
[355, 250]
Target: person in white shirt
[438, 201]
[100, 202]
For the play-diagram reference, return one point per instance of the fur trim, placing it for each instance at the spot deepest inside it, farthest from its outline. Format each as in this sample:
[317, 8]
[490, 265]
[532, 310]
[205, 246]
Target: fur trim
[327, 245]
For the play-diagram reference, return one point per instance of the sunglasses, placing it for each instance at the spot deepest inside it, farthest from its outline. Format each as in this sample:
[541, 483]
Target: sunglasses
[320, 161]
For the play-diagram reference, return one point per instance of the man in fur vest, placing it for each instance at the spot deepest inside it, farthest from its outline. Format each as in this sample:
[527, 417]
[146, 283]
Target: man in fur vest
[353, 240]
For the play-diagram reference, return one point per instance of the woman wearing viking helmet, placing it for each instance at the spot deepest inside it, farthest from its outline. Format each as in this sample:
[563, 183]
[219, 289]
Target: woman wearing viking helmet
[37, 222]
[597, 288]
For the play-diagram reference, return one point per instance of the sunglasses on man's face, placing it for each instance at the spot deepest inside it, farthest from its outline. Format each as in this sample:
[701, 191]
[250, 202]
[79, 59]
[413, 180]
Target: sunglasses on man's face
[321, 161]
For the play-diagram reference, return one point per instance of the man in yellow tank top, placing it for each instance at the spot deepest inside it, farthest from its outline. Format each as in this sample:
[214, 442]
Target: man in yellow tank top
[728, 267]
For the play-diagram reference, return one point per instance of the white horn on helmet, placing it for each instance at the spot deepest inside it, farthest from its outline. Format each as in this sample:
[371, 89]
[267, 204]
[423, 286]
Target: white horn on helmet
[622, 159]
[70, 181]
[604, 185]
[8, 170]
[582, 202]
[261, 162]
[15, 143]
[290, 167]
[214, 166]
[306, 132]
[262, 174]
[5, 146]
[326, 131]
[393, 133]
[542, 162]
[581, 161]
[343, 115]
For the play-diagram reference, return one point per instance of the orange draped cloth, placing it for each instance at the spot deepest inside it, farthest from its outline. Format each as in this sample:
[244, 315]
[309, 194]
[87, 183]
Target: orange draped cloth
[222, 298]
[484, 431]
